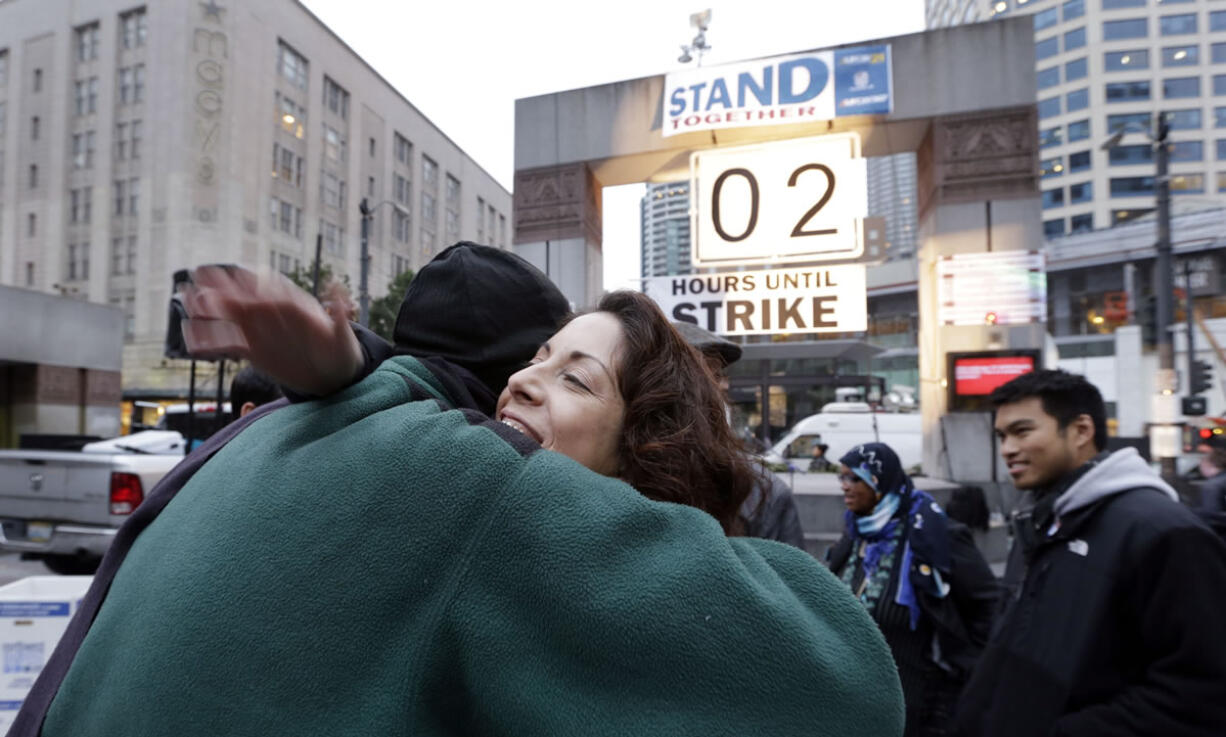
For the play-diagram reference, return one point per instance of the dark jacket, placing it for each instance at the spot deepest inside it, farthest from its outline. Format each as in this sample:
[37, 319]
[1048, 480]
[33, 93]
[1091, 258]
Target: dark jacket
[960, 621]
[1108, 623]
[773, 516]
[1213, 493]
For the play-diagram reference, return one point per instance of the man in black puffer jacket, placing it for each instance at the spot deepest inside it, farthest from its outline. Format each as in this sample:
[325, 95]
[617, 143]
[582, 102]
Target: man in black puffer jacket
[1106, 625]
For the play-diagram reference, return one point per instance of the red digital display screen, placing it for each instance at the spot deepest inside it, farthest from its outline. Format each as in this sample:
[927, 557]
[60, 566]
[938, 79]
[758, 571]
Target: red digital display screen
[977, 377]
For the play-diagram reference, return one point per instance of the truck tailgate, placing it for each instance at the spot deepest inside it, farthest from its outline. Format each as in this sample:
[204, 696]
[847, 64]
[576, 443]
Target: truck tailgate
[55, 487]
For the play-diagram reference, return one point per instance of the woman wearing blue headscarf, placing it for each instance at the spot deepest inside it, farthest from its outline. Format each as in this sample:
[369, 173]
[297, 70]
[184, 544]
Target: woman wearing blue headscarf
[921, 578]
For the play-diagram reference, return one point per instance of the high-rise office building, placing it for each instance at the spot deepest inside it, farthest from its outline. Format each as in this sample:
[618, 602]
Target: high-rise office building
[138, 140]
[665, 239]
[1106, 65]
[891, 196]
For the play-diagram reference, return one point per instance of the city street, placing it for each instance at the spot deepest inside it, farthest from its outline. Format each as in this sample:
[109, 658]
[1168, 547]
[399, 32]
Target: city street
[13, 568]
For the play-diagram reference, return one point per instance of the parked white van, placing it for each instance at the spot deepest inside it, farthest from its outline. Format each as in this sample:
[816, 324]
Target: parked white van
[844, 425]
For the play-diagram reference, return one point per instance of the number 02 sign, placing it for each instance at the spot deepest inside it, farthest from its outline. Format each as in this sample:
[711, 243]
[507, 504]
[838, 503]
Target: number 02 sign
[785, 202]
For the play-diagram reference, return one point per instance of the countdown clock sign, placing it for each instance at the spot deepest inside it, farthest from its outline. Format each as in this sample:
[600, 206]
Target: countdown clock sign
[802, 200]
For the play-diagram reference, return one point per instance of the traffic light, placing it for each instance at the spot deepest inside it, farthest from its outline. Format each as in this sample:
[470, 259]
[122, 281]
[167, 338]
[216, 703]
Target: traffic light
[1147, 318]
[1201, 377]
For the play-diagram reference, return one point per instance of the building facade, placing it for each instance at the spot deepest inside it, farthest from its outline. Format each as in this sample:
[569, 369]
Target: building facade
[139, 140]
[665, 217]
[1106, 65]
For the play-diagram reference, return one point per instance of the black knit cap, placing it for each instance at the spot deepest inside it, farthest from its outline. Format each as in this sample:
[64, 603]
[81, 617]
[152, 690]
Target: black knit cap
[481, 308]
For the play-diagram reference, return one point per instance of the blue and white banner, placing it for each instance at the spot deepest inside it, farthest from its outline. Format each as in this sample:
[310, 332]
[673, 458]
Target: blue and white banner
[809, 87]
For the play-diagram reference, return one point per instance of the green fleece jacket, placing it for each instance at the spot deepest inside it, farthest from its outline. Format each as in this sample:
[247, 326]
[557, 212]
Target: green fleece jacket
[381, 564]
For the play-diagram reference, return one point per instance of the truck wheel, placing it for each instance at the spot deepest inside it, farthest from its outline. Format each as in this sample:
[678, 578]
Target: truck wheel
[72, 565]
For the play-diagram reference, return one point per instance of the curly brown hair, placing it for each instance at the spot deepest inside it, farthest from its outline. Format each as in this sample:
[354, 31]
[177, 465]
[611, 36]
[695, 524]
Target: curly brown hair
[676, 444]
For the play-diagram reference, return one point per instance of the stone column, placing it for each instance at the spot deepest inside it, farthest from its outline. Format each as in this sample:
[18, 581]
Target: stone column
[557, 221]
[978, 192]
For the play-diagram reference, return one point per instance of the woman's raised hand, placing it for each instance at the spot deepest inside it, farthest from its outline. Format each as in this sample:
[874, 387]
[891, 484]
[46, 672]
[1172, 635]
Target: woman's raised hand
[270, 321]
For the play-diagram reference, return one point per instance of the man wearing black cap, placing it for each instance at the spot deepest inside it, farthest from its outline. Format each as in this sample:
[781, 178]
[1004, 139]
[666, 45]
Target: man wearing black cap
[770, 511]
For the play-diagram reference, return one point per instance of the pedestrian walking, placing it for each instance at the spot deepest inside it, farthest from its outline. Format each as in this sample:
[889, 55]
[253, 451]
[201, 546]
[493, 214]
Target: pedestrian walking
[920, 577]
[1112, 588]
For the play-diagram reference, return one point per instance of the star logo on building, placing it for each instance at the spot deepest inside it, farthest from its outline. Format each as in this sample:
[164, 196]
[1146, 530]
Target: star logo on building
[212, 10]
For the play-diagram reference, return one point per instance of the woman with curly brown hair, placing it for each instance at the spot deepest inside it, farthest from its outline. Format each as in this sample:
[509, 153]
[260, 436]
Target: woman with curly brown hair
[619, 390]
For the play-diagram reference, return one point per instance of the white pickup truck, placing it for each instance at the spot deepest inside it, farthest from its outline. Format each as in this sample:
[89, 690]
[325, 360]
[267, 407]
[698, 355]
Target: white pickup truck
[65, 507]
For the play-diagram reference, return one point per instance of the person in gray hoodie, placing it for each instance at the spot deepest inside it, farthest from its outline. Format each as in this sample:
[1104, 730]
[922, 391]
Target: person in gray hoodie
[1106, 625]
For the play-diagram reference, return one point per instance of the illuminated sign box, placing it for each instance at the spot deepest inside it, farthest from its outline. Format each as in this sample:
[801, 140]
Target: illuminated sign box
[972, 377]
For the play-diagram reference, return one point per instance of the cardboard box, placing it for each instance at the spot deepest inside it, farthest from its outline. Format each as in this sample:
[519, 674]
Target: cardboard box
[34, 613]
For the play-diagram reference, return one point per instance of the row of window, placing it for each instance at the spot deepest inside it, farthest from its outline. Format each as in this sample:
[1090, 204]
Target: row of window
[1079, 224]
[1130, 60]
[127, 144]
[285, 217]
[1142, 186]
[1174, 88]
[1123, 29]
[133, 32]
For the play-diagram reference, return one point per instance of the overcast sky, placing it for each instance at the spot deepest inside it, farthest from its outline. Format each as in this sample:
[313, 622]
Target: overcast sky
[463, 64]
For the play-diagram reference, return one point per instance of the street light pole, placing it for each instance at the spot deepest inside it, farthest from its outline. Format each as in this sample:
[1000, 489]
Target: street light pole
[1164, 274]
[363, 290]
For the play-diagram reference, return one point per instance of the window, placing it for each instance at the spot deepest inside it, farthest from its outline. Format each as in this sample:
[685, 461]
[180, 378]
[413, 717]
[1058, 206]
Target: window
[372, 147]
[1128, 155]
[1113, 4]
[401, 225]
[138, 83]
[1221, 149]
[1049, 107]
[1083, 192]
[31, 225]
[2, 120]
[72, 262]
[1113, 30]
[452, 226]
[1077, 100]
[400, 264]
[336, 98]
[130, 266]
[134, 150]
[1046, 18]
[87, 42]
[428, 213]
[334, 238]
[83, 150]
[1053, 167]
[85, 96]
[1074, 9]
[1075, 39]
[1132, 187]
[1183, 120]
[1187, 184]
[1047, 137]
[1049, 77]
[481, 216]
[116, 256]
[1078, 130]
[1127, 91]
[1081, 223]
[1076, 69]
[1219, 84]
[290, 115]
[34, 126]
[331, 190]
[401, 190]
[131, 84]
[334, 144]
[370, 187]
[1046, 48]
[429, 172]
[134, 28]
[133, 196]
[118, 189]
[1180, 56]
[453, 192]
[1177, 25]
[38, 80]
[81, 209]
[1188, 151]
[1181, 87]
[1217, 20]
[1079, 161]
[1053, 228]
[1133, 121]
[1219, 117]
[1053, 197]
[4, 67]
[1122, 61]
[292, 65]
[33, 176]
[404, 149]
[1217, 53]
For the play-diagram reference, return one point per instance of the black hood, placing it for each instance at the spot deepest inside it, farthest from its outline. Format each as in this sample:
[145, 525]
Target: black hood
[481, 308]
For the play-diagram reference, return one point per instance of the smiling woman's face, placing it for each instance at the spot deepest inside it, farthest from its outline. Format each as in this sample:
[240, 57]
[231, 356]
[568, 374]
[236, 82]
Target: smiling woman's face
[567, 399]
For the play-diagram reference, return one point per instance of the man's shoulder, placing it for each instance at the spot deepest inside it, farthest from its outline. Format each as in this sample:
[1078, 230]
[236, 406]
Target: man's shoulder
[1146, 512]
